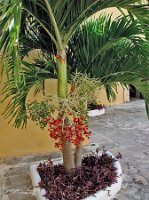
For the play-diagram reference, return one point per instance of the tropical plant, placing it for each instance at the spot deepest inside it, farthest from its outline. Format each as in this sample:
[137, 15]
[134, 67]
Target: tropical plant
[49, 25]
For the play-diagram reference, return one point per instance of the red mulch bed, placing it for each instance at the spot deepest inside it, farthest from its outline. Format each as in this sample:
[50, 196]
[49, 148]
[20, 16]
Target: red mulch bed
[96, 173]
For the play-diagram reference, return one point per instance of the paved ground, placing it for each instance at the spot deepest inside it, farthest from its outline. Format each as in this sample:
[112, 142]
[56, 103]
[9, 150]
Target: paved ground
[124, 128]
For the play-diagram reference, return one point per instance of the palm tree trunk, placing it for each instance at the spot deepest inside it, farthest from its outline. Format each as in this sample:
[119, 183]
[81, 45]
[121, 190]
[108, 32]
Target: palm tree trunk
[68, 157]
[67, 151]
[78, 155]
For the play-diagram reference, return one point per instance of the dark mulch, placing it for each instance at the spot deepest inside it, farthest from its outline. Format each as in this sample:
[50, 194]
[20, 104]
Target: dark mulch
[96, 173]
[95, 106]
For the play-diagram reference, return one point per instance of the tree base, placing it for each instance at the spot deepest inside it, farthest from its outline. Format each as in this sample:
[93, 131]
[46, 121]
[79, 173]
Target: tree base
[107, 194]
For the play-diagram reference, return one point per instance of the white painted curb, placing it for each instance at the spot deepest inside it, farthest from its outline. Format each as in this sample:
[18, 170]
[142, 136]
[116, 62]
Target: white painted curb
[106, 194]
[35, 177]
[96, 112]
[38, 193]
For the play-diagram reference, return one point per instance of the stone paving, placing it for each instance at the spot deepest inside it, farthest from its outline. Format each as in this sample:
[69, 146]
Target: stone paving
[124, 128]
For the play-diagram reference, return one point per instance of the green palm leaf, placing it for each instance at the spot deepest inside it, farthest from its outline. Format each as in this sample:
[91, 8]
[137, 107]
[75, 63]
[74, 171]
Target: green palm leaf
[114, 51]
[59, 19]
[35, 75]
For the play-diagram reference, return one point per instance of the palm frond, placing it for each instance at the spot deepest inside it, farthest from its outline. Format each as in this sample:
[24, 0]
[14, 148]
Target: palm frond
[35, 74]
[114, 51]
[10, 23]
[68, 14]
[77, 12]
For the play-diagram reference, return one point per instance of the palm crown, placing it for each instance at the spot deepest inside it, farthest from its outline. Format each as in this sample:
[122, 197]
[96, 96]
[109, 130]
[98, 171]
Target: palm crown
[58, 19]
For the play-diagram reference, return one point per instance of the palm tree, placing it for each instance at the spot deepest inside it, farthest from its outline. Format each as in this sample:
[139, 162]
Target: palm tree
[48, 25]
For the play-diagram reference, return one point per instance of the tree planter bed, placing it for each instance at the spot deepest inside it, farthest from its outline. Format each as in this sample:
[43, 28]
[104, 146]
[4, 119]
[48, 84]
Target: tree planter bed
[105, 194]
[96, 112]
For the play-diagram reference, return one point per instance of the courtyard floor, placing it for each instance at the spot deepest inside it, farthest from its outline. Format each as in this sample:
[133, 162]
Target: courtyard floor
[124, 128]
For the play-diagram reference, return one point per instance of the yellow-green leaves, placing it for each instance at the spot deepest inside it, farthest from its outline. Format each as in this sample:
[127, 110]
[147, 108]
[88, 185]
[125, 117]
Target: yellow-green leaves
[10, 23]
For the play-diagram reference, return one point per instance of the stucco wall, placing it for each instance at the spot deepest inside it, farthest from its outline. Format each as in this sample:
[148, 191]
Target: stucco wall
[114, 11]
[21, 142]
[102, 97]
